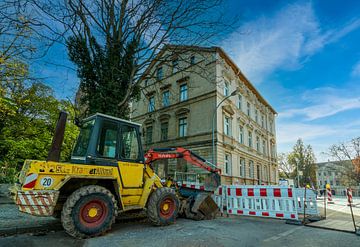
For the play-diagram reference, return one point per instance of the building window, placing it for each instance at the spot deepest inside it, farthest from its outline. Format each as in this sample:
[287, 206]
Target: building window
[226, 88]
[151, 106]
[263, 147]
[192, 59]
[159, 73]
[182, 127]
[250, 139]
[242, 167]
[262, 121]
[258, 144]
[241, 135]
[258, 172]
[148, 134]
[183, 92]
[265, 174]
[166, 98]
[248, 109]
[227, 126]
[274, 171]
[239, 102]
[251, 169]
[164, 127]
[271, 126]
[256, 116]
[228, 164]
[175, 65]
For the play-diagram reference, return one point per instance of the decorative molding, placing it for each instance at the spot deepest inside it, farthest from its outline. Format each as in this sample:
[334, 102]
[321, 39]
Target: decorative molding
[184, 79]
[182, 111]
[150, 93]
[164, 117]
[149, 121]
[166, 86]
[228, 109]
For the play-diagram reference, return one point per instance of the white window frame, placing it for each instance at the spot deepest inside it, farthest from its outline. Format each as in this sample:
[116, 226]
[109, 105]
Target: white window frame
[250, 139]
[227, 164]
[226, 88]
[248, 110]
[242, 167]
[175, 65]
[166, 98]
[227, 125]
[160, 73]
[241, 134]
[151, 106]
[183, 92]
[183, 127]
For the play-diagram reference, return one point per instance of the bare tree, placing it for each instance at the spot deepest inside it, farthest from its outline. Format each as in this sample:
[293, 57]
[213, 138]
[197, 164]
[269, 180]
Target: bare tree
[349, 155]
[113, 42]
[286, 168]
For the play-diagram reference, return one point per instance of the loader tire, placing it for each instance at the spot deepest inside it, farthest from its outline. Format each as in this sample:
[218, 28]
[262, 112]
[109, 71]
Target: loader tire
[163, 207]
[89, 211]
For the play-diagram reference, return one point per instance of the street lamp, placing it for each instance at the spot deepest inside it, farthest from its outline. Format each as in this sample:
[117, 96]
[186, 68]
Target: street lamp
[213, 123]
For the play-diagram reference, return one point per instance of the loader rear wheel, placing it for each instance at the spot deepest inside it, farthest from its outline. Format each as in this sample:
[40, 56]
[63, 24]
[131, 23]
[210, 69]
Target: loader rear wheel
[163, 207]
[89, 211]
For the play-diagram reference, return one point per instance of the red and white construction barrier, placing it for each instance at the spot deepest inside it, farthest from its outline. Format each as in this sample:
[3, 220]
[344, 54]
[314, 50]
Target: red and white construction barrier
[219, 197]
[262, 201]
[349, 196]
[309, 202]
[329, 196]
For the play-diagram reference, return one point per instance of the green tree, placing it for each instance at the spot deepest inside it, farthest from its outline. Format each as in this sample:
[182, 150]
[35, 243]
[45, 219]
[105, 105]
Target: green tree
[26, 127]
[302, 158]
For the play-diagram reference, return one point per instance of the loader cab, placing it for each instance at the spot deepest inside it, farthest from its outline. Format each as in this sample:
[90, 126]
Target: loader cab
[105, 140]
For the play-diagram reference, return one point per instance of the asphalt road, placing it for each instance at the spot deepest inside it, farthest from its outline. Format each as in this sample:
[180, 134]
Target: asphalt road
[233, 231]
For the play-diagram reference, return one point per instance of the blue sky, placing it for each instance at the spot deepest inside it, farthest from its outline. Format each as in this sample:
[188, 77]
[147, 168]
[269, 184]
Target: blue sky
[303, 56]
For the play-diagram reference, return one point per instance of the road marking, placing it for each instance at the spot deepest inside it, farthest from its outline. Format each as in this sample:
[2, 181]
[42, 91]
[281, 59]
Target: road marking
[280, 235]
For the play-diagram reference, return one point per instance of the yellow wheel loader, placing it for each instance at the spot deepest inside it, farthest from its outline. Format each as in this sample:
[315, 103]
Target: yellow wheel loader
[109, 174]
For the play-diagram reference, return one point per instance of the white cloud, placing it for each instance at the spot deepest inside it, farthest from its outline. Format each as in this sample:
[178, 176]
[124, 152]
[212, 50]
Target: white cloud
[324, 102]
[328, 108]
[356, 70]
[290, 132]
[282, 41]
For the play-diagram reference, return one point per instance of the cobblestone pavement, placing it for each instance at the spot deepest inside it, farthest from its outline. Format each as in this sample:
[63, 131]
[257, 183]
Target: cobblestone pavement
[232, 231]
[13, 221]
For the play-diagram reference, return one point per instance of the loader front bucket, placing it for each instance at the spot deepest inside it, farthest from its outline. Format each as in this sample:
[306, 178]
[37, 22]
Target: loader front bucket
[201, 207]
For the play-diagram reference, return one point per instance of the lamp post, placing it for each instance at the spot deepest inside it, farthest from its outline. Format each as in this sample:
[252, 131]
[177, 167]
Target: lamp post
[213, 123]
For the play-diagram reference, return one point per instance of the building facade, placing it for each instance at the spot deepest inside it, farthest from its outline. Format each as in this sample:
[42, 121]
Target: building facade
[178, 105]
[332, 172]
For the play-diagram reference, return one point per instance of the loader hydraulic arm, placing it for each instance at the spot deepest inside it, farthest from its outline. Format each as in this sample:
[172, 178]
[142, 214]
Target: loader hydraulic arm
[180, 153]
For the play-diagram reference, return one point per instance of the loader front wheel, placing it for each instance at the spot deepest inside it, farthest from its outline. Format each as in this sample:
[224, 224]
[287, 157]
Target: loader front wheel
[89, 211]
[163, 207]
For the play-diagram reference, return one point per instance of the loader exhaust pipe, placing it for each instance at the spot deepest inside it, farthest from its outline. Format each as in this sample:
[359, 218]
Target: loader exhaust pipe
[55, 149]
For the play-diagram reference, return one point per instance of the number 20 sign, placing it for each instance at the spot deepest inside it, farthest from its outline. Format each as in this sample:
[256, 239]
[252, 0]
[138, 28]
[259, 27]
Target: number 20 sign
[47, 181]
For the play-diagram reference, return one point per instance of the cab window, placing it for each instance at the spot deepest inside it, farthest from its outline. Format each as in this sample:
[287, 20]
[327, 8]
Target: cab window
[129, 143]
[107, 140]
[83, 139]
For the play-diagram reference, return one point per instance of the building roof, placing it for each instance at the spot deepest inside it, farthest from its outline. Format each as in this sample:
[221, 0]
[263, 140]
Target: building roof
[226, 57]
